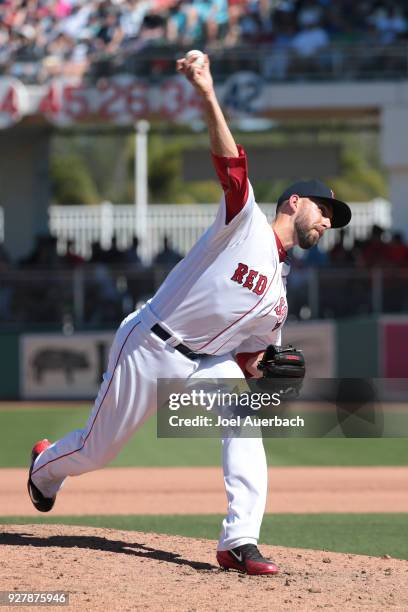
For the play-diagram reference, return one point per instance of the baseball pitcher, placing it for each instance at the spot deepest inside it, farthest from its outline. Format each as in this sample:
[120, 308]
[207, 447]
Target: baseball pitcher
[213, 317]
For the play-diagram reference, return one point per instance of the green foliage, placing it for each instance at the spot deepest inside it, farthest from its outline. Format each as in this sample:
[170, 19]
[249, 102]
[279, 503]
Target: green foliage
[104, 157]
[269, 191]
[71, 182]
[87, 168]
[202, 192]
[359, 180]
[165, 183]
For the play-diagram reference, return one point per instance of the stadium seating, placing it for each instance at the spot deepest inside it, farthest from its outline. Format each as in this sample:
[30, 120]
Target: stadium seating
[286, 38]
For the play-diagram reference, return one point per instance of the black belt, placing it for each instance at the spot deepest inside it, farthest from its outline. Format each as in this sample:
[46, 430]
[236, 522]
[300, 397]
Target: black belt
[181, 348]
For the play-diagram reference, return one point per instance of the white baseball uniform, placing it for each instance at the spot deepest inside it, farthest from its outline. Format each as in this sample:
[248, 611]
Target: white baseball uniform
[225, 299]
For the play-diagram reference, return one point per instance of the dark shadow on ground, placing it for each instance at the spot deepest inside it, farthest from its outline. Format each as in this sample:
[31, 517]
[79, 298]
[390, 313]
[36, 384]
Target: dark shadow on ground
[103, 544]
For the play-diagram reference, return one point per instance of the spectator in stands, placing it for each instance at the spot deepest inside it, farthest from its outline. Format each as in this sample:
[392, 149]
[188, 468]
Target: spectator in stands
[397, 254]
[310, 13]
[109, 34]
[41, 39]
[255, 23]
[114, 256]
[315, 258]
[71, 259]
[306, 44]
[167, 256]
[97, 253]
[153, 29]
[178, 23]
[43, 292]
[389, 21]
[214, 20]
[197, 20]
[103, 300]
[339, 255]
[44, 255]
[375, 250]
[278, 54]
[236, 10]
[132, 15]
[131, 256]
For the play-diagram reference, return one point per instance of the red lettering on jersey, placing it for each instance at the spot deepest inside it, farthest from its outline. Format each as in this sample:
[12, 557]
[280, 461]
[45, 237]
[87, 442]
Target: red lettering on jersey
[239, 273]
[242, 271]
[280, 308]
[281, 312]
[249, 282]
[260, 285]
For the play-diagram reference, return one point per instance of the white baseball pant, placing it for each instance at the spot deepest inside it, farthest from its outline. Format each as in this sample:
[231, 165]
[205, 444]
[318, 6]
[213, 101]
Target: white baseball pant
[127, 397]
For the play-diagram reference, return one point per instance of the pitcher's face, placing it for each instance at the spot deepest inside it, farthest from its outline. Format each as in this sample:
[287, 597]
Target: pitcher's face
[312, 220]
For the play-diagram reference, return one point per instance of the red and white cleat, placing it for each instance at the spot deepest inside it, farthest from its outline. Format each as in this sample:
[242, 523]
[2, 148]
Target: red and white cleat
[39, 501]
[248, 559]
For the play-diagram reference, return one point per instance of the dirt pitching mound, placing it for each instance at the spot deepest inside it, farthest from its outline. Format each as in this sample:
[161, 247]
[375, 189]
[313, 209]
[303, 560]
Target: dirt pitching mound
[122, 570]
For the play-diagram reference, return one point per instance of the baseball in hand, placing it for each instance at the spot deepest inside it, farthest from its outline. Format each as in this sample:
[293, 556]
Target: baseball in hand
[195, 57]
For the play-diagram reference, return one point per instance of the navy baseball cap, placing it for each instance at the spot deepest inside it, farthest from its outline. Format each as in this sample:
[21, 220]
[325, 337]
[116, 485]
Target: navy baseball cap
[317, 189]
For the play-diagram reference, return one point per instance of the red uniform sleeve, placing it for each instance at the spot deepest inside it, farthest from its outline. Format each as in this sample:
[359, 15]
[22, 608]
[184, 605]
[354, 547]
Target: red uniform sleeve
[233, 175]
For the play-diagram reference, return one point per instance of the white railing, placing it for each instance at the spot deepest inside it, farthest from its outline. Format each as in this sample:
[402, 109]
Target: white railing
[182, 223]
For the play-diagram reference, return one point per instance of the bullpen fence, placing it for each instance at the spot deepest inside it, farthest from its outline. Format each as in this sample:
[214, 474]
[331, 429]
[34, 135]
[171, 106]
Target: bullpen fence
[100, 296]
[183, 224]
[68, 364]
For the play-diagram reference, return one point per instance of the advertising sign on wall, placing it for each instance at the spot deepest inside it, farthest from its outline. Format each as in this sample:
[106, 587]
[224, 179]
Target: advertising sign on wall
[123, 99]
[53, 366]
[13, 101]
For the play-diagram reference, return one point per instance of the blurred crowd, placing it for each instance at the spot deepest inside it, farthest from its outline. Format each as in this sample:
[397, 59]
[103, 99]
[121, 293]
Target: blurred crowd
[41, 288]
[40, 39]
[380, 250]
[341, 294]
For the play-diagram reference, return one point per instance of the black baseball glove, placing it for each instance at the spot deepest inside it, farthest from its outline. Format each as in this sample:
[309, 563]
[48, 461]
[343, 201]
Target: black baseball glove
[283, 369]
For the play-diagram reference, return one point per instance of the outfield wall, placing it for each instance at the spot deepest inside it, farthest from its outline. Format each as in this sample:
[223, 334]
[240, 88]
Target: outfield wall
[54, 366]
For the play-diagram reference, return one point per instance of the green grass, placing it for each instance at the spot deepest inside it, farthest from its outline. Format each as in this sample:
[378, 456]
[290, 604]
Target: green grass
[367, 534]
[21, 427]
